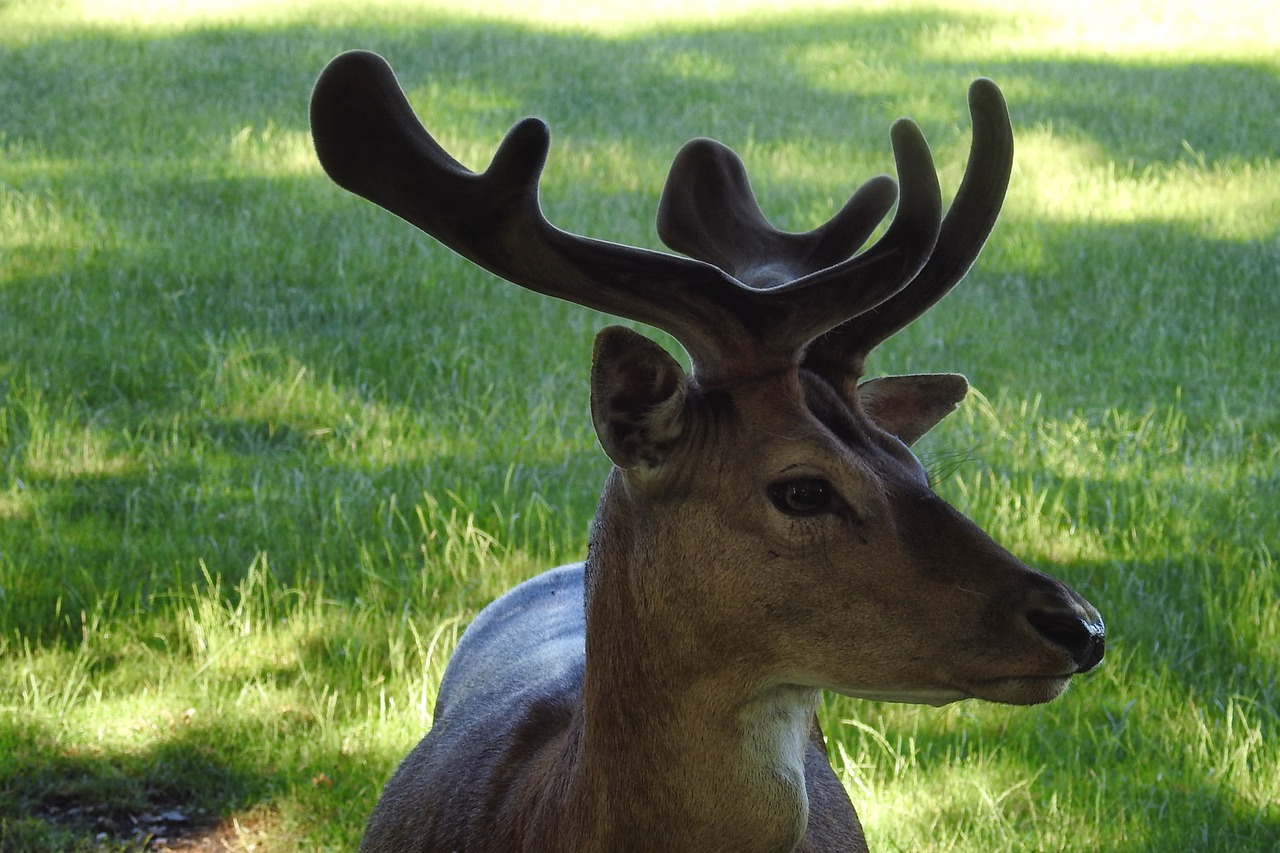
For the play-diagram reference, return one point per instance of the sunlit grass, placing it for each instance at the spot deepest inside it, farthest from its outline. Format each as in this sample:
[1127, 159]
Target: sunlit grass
[1141, 29]
[265, 451]
[1071, 180]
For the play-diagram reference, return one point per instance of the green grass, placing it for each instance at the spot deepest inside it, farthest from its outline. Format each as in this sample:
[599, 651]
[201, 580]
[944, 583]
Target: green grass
[264, 450]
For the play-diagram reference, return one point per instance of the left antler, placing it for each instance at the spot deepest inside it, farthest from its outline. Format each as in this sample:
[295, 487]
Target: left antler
[748, 310]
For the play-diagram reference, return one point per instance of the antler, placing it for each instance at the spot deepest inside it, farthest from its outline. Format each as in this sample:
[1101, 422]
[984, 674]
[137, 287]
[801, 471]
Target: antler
[709, 212]
[763, 297]
[840, 354]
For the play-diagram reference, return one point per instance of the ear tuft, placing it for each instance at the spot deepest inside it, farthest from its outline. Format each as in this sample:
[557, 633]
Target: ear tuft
[909, 406]
[637, 398]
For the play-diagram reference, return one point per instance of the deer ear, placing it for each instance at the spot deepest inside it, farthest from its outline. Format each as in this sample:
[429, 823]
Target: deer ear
[909, 406]
[637, 398]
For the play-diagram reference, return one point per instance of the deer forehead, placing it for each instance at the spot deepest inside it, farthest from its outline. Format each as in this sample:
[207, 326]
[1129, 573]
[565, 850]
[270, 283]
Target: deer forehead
[791, 427]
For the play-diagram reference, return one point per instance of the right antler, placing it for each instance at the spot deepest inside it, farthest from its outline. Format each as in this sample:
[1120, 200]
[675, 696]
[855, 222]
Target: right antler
[709, 212]
[749, 310]
[839, 355]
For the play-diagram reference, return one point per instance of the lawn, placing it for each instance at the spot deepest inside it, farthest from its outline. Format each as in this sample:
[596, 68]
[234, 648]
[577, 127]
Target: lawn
[265, 449]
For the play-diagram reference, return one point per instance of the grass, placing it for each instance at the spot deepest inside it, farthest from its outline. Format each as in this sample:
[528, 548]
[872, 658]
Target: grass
[264, 451]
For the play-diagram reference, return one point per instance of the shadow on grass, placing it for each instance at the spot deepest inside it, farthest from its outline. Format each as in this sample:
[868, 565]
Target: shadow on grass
[196, 780]
[90, 798]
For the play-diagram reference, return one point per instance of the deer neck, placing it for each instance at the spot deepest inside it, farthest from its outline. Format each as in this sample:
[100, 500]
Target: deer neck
[682, 748]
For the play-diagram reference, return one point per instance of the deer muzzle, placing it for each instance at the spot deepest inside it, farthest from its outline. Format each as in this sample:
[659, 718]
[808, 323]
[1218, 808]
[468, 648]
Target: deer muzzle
[1083, 636]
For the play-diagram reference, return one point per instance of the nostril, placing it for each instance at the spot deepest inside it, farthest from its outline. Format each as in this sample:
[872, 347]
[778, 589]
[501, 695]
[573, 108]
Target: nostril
[1096, 648]
[1084, 641]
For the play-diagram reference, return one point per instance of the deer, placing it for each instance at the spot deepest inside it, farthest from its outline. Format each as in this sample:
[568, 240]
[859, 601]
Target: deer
[765, 532]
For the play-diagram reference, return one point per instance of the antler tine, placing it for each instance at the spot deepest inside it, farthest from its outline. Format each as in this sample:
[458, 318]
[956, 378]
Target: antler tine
[709, 211]
[840, 354]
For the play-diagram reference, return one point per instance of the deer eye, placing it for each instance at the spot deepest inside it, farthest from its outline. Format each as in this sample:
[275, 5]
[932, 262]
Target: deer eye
[802, 497]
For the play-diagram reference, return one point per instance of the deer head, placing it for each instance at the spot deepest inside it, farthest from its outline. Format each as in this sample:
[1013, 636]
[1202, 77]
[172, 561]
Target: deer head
[766, 531]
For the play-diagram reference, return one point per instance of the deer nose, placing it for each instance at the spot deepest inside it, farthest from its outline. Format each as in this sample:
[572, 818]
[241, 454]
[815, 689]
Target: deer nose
[1085, 640]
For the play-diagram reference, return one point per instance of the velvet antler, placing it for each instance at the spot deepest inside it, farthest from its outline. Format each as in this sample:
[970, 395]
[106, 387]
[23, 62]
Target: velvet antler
[754, 306]
[840, 354]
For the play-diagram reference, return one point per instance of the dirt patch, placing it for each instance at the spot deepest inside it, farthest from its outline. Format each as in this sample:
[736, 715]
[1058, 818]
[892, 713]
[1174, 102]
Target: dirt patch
[226, 835]
[162, 830]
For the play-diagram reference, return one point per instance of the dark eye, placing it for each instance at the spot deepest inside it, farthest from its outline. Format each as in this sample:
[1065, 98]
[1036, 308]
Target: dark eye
[801, 497]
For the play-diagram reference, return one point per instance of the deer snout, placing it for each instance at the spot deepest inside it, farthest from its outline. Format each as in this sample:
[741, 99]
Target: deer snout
[1083, 637]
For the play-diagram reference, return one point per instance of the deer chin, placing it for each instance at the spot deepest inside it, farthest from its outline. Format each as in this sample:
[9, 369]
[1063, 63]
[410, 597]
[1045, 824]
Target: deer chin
[1013, 690]
[1022, 690]
[937, 698]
